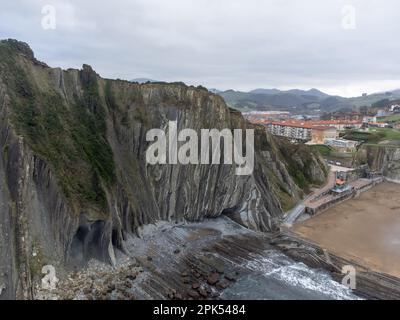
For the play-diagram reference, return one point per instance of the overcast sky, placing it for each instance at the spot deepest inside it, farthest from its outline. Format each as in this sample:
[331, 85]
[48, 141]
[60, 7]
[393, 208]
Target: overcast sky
[239, 44]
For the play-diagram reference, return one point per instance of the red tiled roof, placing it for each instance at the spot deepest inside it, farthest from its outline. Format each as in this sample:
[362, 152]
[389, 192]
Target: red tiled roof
[292, 123]
[335, 122]
[323, 128]
[308, 124]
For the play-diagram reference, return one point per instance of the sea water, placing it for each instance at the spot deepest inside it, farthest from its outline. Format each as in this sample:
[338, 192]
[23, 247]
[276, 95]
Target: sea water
[274, 276]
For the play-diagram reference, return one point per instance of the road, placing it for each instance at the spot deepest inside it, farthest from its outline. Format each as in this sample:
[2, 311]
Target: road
[299, 209]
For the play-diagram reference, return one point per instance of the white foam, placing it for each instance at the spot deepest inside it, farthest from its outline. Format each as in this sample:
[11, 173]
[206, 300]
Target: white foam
[277, 265]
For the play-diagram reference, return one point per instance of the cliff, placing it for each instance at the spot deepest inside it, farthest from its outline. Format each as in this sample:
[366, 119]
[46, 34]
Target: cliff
[74, 172]
[384, 159]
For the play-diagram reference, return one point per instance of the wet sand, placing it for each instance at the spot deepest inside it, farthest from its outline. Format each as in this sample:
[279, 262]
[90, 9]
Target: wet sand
[366, 229]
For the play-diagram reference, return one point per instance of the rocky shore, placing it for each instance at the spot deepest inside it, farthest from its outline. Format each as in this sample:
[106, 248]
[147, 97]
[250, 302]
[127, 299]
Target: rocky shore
[361, 232]
[369, 284]
[167, 261]
[194, 261]
[66, 203]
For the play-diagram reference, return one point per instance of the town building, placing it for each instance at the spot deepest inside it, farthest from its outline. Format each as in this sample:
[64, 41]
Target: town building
[378, 125]
[342, 144]
[315, 131]
[348, 116]
[370, 119]
[395, 108]
[260, 117]
[321, 133]
[381, 113]
[291, 129]
[340, 125]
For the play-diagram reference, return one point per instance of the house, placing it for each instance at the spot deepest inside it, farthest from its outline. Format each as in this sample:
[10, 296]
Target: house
[263, 117]
[381, 113]
[340, 125]
[342, 144]
[292, 129]
[348, 116]
[395, 108]
[320, 133]
[378, 125]
[369, 119]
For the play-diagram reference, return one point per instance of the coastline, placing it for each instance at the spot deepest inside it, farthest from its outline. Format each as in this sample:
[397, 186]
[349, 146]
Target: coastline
[210, 260]
[220, 259]
[370, 284]
[361, 232]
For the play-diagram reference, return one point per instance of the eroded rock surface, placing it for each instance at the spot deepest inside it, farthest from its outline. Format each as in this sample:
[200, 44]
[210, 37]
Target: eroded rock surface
[381, 158]
[75, 182]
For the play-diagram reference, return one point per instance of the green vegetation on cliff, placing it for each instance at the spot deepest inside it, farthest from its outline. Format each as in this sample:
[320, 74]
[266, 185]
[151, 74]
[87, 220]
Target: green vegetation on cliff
[72, 138]
[324, 150]
[374, 135]
[304, 165]
[63, 117]
[300, 164]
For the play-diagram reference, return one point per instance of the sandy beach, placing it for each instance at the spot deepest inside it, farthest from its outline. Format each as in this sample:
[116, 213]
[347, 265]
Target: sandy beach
[365, 229]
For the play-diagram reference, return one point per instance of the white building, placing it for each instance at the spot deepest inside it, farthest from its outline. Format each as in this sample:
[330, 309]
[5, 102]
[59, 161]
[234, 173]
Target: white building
[297, 131]
[395, 107]
[369, 119]
[342, 143]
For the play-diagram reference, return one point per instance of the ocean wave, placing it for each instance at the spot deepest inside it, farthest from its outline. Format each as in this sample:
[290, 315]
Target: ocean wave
[274, 264]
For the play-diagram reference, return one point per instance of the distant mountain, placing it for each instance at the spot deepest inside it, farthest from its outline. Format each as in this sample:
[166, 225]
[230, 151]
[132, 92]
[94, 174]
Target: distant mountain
[297, 92]
[311, 92]
[266, 91]
[300, 101]
[267, 99]
[395, 92]
[374, 98]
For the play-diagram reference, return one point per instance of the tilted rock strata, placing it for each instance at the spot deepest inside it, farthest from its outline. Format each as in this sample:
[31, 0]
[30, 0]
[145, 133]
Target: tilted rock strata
[75, 179]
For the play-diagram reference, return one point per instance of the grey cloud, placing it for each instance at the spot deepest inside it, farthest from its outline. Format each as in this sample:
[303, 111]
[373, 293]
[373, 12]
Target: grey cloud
[240, 44]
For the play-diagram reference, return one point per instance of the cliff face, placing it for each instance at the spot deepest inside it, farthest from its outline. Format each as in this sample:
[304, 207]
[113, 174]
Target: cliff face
[74, 172]
[381, 158]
